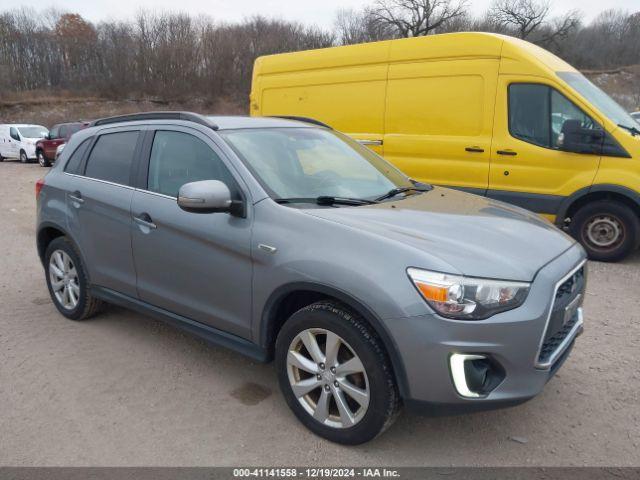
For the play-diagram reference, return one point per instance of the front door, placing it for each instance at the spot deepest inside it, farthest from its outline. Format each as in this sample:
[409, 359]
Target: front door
[528, 167]
[192, 264]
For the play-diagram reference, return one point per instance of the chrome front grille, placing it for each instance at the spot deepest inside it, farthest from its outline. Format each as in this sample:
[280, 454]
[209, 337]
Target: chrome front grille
[565, 317]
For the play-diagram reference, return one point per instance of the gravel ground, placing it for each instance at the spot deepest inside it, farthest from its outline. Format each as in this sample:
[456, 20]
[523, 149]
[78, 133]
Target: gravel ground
[123, 389]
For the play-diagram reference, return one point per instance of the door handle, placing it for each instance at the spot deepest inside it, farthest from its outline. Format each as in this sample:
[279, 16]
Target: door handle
[475, 149]
[144, 219]
[509, 153]
[76, 197]
[370, 142]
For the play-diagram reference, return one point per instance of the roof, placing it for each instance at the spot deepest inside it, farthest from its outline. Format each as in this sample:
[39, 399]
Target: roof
[238, 122]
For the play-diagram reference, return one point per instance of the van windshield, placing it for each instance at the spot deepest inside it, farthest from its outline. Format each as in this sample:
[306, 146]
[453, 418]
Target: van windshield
[33, 132]
[603, 102]
[313, 162]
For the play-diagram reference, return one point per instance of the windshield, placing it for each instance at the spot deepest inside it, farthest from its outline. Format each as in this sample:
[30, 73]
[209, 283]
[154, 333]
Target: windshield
[598, 98]
[33, 132]
[312, 162]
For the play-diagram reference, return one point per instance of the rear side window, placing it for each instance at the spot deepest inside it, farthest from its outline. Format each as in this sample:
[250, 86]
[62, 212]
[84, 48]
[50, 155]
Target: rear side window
[112, 156]
[73, 164]
[178, 158]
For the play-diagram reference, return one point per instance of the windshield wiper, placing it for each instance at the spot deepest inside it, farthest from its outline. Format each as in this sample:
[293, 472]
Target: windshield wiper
[397, 191]
[328, 200]
[634, 131]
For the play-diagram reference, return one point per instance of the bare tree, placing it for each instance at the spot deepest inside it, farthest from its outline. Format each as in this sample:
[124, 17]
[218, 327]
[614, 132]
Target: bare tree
[522, 16]
[360, 26]
[414, 18]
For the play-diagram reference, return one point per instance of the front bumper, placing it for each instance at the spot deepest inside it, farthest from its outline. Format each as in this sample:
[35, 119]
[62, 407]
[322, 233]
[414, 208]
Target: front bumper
[511, 339]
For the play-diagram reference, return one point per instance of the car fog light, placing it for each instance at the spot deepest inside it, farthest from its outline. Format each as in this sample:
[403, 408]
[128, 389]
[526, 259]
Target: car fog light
[457, 361]
[475, 375]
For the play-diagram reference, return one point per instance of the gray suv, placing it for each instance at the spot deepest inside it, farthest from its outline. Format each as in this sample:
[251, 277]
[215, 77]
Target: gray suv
[283, 239]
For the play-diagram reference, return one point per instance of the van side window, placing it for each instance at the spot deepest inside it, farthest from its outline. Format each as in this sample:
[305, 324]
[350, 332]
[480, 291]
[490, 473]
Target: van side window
[537, 114]
[178, 158]
[13, 133]
[112, 156]
[73, 164]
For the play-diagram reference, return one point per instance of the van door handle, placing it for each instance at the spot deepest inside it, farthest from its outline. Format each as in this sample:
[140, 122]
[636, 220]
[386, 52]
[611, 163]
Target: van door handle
[370, 142]
[509, 153]
[144, 219]
[76, 197]
[475, 149]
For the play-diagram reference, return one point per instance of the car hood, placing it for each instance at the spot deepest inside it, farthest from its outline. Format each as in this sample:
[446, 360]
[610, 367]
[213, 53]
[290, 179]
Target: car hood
[477, 236]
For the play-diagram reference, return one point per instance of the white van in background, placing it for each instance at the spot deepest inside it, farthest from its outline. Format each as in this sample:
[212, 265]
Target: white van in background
[18, 141]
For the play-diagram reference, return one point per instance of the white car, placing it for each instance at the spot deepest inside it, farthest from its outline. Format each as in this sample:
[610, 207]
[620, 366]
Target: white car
[18, 141]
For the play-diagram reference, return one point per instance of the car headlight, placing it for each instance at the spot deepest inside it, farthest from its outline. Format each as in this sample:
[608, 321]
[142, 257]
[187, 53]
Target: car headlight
[467, 298]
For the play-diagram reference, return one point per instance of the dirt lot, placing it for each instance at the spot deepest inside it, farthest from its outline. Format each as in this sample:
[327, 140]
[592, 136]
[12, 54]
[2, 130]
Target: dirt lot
[123, 389]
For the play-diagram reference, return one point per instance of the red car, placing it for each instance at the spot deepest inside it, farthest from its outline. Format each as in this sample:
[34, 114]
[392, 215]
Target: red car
[58, 135]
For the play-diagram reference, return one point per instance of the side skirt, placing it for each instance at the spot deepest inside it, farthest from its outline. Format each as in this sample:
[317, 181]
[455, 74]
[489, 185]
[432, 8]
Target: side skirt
[206, 332]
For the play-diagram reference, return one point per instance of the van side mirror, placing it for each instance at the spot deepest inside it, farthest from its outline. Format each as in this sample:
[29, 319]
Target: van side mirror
[577, 139]
[208, 196]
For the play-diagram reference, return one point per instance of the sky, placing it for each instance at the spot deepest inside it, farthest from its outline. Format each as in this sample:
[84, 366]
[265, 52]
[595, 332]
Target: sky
[319, 12]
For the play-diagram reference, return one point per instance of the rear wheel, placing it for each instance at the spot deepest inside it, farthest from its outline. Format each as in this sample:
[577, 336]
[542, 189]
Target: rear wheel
[68, 282]
[335, 374]
[23, 156]
[608, 230]
[42, 160]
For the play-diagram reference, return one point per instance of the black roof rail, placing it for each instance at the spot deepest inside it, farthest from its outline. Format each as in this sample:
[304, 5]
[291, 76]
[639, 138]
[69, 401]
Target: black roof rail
[135, 117]
[303, 119]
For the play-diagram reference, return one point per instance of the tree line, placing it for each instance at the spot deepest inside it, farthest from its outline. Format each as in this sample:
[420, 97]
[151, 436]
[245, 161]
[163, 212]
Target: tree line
[176, 55]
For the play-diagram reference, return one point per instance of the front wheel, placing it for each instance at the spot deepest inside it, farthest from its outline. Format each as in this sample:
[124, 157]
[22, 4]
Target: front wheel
[23, 157]
[608, 230]
[335, 374]
[42, 160]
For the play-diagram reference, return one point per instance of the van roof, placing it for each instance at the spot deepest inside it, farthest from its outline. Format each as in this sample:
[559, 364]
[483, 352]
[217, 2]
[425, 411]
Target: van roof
[431, 47]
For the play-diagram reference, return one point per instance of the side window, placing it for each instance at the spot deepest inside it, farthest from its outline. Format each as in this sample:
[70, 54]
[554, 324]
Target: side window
[537, 114]
[54, 133]
[529, 113]
[178, 158]
[562, 110]
[13, 133]
[73, 164]
[112, 156]
[64, 130]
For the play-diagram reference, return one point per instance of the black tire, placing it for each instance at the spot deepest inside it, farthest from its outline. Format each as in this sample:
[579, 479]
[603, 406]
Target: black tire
[42, 160]
[612, 216]
[87, 305]
[23, 157]
[384, 401]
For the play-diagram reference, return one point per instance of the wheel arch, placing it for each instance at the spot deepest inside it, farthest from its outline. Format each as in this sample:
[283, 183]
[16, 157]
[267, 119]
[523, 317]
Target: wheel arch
[574, 202]
[288, 299]
[49, 231]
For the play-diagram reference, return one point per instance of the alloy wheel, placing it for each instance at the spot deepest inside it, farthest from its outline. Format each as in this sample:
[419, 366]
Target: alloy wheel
[41, 159]
[328, 378]
[63, 277]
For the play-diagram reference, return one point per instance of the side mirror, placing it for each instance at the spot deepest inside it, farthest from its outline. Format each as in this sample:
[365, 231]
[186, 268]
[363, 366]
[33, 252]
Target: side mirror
[574, 138]
[206, 196]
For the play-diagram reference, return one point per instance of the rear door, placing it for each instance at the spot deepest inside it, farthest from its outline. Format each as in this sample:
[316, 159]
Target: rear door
[439, 120]
[197, 265]
[100, 200]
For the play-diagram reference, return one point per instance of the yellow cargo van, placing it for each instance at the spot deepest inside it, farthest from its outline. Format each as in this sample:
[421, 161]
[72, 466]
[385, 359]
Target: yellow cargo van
[485, 113]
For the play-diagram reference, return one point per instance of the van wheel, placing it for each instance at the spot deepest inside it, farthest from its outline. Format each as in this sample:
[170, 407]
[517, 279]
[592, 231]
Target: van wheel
[42, 159]
[68, 282]
[335, 375]
[23, 157]
[608, 230]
